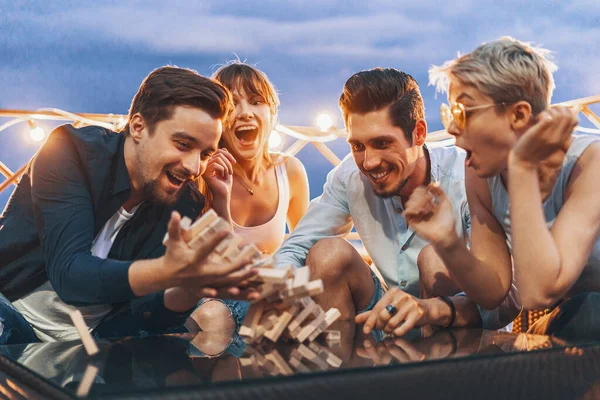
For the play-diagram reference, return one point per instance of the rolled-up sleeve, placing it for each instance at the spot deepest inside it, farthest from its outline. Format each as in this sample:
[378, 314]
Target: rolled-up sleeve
[64, 217]
[328, 216]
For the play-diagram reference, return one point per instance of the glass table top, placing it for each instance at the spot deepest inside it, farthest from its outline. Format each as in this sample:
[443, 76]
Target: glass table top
[135, 365]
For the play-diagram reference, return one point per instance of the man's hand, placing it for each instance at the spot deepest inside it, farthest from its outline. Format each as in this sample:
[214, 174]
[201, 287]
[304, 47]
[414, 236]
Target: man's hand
[219, 174]
[551, 134]
[411, 313]
[192, 269]
[429, 213]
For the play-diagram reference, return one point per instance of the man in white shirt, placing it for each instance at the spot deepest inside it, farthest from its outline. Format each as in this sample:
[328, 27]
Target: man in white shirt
[384, 116]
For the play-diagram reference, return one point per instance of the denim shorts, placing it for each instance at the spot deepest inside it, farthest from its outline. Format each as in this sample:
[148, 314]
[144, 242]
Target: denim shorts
[377, 295]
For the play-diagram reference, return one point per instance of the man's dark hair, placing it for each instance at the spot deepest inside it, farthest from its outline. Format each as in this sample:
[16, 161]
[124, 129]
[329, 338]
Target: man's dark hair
[378, 88]
[168, 87]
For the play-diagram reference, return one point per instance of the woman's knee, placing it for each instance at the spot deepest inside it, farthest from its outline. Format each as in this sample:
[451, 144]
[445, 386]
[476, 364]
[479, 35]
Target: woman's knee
[213, 315]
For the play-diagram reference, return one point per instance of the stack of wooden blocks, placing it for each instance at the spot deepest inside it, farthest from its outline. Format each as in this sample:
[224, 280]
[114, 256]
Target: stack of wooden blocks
[285, 293]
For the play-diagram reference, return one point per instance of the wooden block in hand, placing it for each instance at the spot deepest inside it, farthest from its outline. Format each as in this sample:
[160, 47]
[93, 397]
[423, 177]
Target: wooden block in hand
[218, 225]
[231, 249]
[267, 262]
[250, 251]
[84, 333]
[301, 277]
[184, 224]
[270, 275]
[203, 222]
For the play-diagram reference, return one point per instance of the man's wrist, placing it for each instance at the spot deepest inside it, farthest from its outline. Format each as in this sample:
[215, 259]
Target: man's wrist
[439, 312]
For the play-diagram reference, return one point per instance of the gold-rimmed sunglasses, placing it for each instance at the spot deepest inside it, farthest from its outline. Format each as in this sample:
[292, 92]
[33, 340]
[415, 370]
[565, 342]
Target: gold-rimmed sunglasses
[458, 113]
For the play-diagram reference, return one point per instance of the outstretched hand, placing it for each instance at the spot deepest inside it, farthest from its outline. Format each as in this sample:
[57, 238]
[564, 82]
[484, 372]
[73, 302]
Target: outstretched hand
[192, 268]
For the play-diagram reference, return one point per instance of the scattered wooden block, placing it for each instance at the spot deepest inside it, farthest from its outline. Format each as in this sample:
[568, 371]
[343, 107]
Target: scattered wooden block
[312, 357]
[310, 308]
[267, 321]
[277, 330]
[298, 365]
[332, 336]
[84, 333]
[252, 320]
[325, 354]
[330, 317]
[310, 328]
[283, 368]
[87, 381]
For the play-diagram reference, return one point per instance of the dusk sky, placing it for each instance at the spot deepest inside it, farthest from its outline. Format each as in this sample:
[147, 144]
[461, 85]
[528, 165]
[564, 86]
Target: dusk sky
[85, 56]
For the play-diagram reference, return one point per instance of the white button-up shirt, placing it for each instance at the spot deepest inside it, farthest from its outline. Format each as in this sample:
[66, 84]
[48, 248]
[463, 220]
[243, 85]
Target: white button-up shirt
[349, 199]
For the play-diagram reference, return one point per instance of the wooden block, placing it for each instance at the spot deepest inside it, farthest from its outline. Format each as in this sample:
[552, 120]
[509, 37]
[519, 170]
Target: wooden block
[325, 354]
[298, 365]
[84, 333]
[250, 251]
[301, 277]
[225, 243]
[312, 357]
[284, 319]
[282, 366]
[330, 317]
[270, 275]
[310, 309]
[310, 328]
[267, 321]
[267, 262]
[252, 320]
[184, 223]
[217, 225]
[203, 222]
[291, 295]
[232, 250]
[87, 381]
[332, 336]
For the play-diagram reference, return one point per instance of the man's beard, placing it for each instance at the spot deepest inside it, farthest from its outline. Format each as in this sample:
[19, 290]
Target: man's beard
[395, 191]
[152, 192]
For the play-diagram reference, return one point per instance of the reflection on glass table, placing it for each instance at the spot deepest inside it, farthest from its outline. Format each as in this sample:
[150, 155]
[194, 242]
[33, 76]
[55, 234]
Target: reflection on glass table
[134, 365]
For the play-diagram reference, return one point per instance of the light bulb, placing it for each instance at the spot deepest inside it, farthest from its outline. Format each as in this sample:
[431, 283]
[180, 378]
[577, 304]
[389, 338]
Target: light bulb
[324, 122]
[36, 133]
[275, 141]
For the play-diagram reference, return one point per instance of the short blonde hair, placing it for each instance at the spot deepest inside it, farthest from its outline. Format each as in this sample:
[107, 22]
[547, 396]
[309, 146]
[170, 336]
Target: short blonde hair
[506, 70]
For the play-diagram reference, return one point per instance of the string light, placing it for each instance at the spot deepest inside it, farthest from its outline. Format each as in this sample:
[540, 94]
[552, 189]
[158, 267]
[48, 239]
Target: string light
[324, 122]
[275, 141]
[36, 133]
